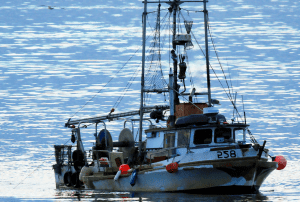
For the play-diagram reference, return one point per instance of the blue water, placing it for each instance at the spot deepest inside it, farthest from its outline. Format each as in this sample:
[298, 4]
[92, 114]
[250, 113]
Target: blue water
[53, 61]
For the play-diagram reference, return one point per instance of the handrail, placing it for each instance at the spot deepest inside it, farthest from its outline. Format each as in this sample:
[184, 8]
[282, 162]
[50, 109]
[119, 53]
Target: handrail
[104, 132]
[132, 120]
[132, 127]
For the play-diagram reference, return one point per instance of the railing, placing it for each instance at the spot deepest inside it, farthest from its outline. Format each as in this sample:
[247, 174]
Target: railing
[61, 152]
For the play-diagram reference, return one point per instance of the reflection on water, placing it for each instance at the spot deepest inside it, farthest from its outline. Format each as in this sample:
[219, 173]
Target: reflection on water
[155, 197]
[54, 59]
[80, 195]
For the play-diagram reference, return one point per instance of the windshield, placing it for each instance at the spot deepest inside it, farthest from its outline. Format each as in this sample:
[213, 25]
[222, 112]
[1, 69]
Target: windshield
[238, 134]
[223, 135]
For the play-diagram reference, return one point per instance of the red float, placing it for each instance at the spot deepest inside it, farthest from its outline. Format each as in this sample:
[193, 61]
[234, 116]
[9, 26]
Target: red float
[172, 167]
[124, 168]
[281, 162]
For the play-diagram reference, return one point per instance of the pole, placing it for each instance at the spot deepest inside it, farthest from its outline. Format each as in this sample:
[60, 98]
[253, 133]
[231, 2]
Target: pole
[176, 99]
[142, 79]
[206, 53]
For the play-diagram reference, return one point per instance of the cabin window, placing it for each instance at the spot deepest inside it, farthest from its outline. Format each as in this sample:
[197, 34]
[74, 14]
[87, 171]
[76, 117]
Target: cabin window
[183, 138]
[238, 134]
[169, 140]
[223, 135]
[152, 134]
[203, 136]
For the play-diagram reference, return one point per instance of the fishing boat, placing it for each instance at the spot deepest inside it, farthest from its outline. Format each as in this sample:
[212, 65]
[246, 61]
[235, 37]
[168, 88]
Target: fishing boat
[197, 149]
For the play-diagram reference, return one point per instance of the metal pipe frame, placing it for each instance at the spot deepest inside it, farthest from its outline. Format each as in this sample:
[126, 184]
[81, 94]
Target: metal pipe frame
[115, 116]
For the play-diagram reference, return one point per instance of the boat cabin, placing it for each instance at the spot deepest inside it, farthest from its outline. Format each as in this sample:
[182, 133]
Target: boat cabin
[195, 137]
[163, 143]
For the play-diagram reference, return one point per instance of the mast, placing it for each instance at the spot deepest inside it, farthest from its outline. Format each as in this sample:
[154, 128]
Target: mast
[142, 79]
[206, 52]
[174, 100]
[173, 86]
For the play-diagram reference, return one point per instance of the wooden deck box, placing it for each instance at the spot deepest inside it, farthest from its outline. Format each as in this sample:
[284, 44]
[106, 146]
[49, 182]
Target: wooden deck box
[185, 109]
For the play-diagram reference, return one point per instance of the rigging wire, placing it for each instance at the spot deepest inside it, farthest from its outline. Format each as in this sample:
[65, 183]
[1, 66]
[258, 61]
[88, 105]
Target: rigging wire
[230, 78]
[228, 94]
[186, 56]
[87, 102]
[178, 24]
[36, 168]
[156, 11]
[107, 82]
[128, 85]
[195, 38]
[151, 48]
[190, 73]
[153, 51]
[191, 10]
[212, 41]
[154, 77]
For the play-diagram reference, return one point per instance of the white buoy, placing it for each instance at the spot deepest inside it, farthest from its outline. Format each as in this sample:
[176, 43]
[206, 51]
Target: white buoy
[117, 175]
[85, 171]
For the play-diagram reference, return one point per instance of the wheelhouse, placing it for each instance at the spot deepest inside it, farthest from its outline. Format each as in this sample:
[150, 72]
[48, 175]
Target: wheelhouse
[192, 137]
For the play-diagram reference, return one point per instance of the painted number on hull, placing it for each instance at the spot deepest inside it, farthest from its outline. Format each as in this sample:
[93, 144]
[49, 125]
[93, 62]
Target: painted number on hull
[226, 154]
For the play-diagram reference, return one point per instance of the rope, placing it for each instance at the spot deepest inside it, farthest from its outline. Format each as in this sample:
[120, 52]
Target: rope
[252, 138]
[212, 41]
[191, 10]
[106, 83]
[228, 94]
[154, 75]
[35, 169]
[229, 97]
[149, 51]
[128, 85]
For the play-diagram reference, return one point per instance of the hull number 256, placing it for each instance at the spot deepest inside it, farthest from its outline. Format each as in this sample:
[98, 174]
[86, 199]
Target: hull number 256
[226, 154]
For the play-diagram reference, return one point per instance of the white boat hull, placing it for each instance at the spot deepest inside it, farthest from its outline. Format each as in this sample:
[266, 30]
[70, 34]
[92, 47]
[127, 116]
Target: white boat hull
[189, 178]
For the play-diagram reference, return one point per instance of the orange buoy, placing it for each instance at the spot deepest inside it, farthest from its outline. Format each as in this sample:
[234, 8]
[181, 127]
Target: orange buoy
[124, 168]
[172, 167]
[281, 162]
